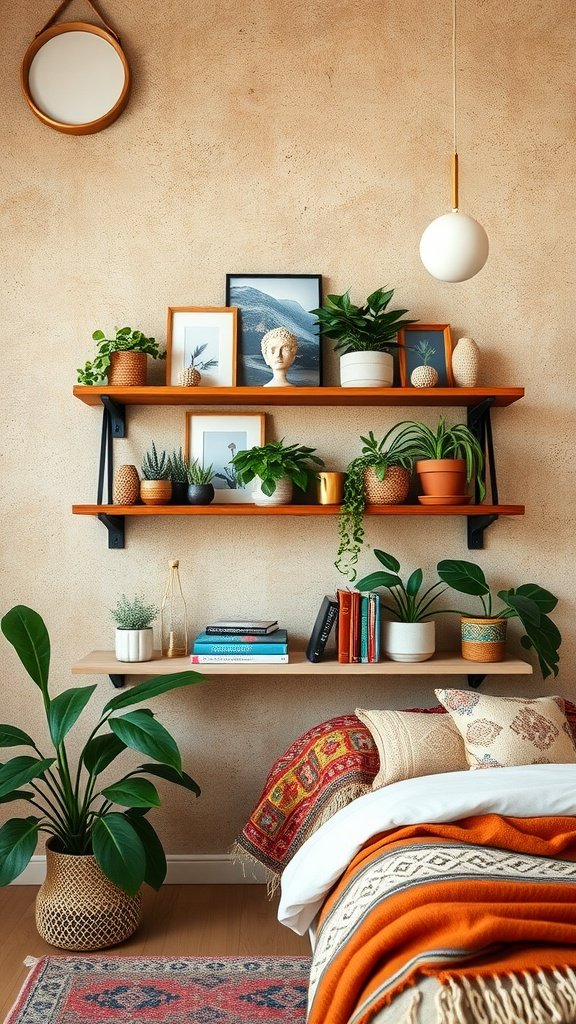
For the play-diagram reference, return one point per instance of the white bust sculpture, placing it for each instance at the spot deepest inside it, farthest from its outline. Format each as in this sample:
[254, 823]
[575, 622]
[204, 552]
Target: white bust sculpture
[279, 348]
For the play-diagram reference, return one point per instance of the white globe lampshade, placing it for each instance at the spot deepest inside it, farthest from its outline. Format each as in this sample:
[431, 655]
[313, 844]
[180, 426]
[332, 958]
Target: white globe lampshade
[454, 247]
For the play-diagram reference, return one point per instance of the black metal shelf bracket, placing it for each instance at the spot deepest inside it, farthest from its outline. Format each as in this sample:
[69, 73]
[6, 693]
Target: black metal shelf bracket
[117, 681]
[117, 413]
[475, 681]
[115, 526]
[478, 419]
[113, 425]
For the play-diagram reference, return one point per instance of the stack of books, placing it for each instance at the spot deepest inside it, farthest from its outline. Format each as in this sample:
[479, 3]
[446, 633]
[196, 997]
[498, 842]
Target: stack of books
[235, 641]
[358, 626]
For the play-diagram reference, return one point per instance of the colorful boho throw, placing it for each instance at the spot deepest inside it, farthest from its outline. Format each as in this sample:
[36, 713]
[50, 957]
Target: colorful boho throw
[164, 990]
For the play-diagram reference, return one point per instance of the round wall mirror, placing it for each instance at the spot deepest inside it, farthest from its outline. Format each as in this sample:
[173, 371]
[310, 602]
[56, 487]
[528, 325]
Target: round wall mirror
[76, 78]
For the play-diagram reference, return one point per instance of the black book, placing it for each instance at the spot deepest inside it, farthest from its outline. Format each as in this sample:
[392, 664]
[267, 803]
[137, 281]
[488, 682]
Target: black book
[240, 627]
[327, 616]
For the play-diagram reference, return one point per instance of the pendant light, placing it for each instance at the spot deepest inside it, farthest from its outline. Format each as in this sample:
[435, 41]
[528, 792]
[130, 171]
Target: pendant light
[454, 247]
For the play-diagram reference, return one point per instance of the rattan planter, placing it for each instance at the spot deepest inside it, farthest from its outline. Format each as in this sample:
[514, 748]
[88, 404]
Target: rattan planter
[483, 639]
[155, 492]
[392, 490]
[77, 907]
[128, 369]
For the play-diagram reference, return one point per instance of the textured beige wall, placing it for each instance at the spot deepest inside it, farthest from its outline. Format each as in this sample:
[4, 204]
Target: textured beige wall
[265, 137]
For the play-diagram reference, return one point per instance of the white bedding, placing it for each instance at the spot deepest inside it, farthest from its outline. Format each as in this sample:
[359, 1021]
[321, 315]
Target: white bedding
[524, 792]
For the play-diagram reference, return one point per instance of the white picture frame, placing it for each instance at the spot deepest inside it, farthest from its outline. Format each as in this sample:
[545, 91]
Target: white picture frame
[213, 330]
[213, 438]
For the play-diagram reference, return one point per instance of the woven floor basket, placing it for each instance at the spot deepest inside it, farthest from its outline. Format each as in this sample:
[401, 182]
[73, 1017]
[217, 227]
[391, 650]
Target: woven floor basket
[392, 490]
[77, 907]
[128, 369]
[483, 639]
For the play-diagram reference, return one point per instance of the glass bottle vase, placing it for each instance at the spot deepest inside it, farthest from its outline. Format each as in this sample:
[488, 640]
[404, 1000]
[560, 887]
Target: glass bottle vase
[174, 616]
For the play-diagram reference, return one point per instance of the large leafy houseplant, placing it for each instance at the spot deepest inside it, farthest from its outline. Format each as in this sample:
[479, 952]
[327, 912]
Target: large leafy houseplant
[273, 462]
[444, 442]
[125, 340]
[377, 455]
[529, 603]
[367, 328]
[408, 604]
[80, 817]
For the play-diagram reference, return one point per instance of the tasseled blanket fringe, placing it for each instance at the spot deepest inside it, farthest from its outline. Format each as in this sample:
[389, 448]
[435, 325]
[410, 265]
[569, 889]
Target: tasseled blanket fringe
[545, 997]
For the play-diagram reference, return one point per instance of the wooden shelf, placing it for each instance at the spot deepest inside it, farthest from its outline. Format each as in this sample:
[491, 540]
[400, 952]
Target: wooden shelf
[264, 396]
[294, 510]
[443, 663]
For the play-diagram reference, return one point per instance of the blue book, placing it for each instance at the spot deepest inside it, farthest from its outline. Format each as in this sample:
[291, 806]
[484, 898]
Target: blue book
[364, 604]
[207, 646]
[278, 637]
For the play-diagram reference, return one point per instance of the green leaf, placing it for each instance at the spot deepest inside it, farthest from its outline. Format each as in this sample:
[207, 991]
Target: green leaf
[25, 630]
[119, 851]
[543, 598]
[388, 561]
[20, 770]
[153, 688]
[132, 792]
[18, 839]
[65, 709]
[163, 771]
[379, 579]
[465, 577]
[524, 607]
[100, 752]
[142, 733]
[17, 794]
[414, 583]
[10, 736]
[155, 858]
[98, 336]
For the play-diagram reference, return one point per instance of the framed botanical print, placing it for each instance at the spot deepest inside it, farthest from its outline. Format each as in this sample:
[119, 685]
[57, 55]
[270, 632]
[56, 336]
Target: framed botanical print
[425, 345]
[214, 438]
[203, 337]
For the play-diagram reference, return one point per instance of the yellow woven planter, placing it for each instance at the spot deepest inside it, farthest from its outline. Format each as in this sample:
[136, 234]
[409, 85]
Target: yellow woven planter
[483, 639]
[77, 907]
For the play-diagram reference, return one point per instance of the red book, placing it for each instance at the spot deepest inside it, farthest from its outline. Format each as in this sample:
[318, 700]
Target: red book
[344, 609]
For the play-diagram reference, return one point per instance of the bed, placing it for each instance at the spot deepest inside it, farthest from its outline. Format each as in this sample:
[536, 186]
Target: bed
[433, 896]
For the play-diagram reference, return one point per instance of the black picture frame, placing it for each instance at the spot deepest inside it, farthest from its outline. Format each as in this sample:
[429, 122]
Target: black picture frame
[266, 301]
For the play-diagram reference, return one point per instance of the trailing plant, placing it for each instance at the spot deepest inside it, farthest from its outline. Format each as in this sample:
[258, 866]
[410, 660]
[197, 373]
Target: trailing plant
[124, 340]
[376, 455]
[530, 603]
[155, 466]
[408, 605]
[133, 613]
[79, 816]
[457, 442]
[198, 474]
[275, 460]
[177, 467]
[368, 328]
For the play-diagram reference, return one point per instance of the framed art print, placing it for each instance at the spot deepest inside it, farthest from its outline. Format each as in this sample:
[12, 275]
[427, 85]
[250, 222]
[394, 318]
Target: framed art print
[426, 344]
[268, 301]
[214, 438]
[204, 337]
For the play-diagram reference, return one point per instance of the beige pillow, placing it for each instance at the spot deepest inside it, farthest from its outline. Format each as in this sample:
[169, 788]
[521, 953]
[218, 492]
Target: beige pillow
[500, 732]
[412, 744]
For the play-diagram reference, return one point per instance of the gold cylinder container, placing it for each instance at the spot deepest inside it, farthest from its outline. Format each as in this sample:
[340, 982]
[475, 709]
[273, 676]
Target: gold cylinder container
[330, 488]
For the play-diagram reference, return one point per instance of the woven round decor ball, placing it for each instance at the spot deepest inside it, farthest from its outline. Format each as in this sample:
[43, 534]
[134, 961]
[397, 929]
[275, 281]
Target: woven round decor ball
[424, 377]
[126, 489]
[392, 490]
[190, 377]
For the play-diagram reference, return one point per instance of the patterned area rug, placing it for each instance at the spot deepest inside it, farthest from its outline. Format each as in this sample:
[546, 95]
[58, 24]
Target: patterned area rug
[164, 990]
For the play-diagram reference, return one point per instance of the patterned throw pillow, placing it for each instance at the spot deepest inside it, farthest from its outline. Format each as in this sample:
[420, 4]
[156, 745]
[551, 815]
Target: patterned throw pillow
[410, 745]
[501, 732]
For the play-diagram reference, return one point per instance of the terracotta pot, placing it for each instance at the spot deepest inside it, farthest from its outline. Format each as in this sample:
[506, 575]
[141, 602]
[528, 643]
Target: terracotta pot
[392, 490]
[442, 478]
[282, 494]
[483, 639]
[128, 369]
[77, 907]
[156, 492]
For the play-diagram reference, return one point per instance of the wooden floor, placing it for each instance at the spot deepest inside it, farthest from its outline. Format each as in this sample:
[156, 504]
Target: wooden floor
[185, 920]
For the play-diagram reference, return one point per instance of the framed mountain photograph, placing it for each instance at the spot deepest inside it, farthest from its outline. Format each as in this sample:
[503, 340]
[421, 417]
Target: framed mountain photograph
[268, 301]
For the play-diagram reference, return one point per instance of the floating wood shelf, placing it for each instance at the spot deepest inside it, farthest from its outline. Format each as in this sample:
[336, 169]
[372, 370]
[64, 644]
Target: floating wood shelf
[294, 510]
[264, 396]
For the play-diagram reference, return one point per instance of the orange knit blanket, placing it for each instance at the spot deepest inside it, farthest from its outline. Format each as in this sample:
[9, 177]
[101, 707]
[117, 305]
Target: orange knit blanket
[486, 896]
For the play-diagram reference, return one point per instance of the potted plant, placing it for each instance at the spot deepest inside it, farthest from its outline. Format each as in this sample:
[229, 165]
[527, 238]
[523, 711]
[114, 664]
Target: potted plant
[276, 467]
[410, 637]
[200, 486]
[121, 359]
[101, 846]
[484, 637]
[156, 485]
[134, 634]
[364, 337]
[178, 473]
[379, 476]
[445, 459]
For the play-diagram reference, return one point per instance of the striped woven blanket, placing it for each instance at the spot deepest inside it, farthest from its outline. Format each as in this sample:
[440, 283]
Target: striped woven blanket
[486, 906]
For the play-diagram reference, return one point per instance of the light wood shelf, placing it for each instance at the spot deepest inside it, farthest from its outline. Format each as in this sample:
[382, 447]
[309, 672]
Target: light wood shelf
[294, 510]
[443, 663]
[293, 396]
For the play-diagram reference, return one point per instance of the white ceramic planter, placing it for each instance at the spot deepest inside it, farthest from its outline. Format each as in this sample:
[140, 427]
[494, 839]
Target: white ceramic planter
[134, 644]
[366, 370]
[409, 641]
[281, 496]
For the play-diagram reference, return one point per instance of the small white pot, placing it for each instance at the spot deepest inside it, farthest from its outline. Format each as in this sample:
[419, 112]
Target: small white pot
[134, 644]
[409, 641]
[282, 494]
[366, 370]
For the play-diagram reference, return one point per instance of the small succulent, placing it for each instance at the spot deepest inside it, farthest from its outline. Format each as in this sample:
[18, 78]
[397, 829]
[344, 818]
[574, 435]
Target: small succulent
[199, 475]
[133, 613]
[178, 467]
[155, 466]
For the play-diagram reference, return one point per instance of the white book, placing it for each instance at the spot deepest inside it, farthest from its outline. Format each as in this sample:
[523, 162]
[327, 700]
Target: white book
[239, 659]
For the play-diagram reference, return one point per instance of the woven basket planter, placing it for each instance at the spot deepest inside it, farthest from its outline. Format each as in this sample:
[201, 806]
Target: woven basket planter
[483, 639]
[155, 492]
[77, 907]
[392, 490]
[128, 369]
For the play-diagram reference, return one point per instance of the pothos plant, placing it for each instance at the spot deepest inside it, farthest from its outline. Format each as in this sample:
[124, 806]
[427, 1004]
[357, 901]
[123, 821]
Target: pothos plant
[72, 807]
[275, 460]
[124, 340]
[376, 455]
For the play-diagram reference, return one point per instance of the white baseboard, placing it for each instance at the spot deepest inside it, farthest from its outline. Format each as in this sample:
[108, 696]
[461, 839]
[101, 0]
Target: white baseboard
[183, 869]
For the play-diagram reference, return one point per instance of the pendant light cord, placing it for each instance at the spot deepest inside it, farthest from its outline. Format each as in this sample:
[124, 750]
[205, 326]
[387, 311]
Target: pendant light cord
[454, 136]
